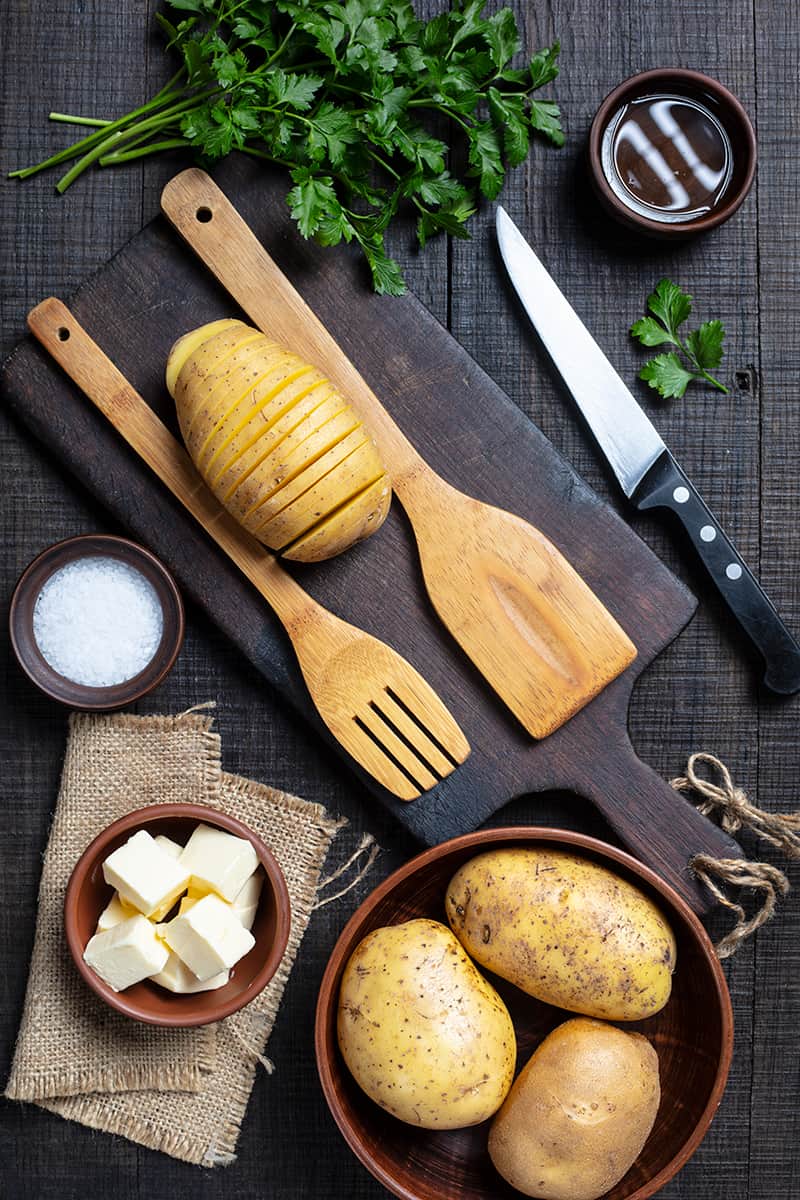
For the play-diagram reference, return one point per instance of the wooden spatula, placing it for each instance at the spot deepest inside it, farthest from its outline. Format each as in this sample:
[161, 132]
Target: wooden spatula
[374, 702]
[527, 620]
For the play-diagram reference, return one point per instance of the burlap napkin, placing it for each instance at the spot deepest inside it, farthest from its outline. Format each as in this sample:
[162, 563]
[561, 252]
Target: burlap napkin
[181, 1091]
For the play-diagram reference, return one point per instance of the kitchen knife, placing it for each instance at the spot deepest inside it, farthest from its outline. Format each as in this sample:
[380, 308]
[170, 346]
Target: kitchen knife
[648, 474]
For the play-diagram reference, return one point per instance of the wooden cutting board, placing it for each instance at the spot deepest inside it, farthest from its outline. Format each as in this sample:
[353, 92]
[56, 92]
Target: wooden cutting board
[153, 291]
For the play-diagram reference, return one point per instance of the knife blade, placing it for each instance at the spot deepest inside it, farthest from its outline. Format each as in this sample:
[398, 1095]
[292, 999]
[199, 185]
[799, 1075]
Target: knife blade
[646, 470]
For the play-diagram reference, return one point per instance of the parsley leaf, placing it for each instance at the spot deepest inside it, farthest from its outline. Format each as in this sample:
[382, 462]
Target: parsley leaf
[665, 373]
[351, 98]
[705, 344]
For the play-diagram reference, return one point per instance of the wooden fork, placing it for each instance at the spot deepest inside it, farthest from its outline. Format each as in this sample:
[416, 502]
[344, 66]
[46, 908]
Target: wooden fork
[374, 703]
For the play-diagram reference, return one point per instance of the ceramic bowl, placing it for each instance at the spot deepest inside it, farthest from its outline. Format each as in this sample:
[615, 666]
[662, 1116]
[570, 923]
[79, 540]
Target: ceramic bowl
[693, 1035]
[725, 109]
[88, 894]
[30, 657]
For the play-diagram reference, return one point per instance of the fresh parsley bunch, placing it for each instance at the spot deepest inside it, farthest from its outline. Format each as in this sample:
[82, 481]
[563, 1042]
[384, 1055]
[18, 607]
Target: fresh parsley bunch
[666, 373]
[343, 95]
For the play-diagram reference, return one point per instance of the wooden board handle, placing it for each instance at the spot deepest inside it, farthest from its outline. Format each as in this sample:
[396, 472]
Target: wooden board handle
[656, 823]
[70, 345]
[204, 216]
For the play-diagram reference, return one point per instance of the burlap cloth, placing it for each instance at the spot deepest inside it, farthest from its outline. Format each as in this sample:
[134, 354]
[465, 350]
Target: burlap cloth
[182, 1091]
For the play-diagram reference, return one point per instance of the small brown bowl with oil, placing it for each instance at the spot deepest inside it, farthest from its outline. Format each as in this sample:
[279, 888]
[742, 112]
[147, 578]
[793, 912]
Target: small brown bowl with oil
[88, 894]
[671, 153]
[692, 1035]
[23, 606]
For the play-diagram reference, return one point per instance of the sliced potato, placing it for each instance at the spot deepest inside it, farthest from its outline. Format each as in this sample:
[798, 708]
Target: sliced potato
[233, 425]
[216, 391]
[352, 523]
[273, 396]
[355, 474]
[257, 419]
[287, 435]
[304, 477]
[188, 346]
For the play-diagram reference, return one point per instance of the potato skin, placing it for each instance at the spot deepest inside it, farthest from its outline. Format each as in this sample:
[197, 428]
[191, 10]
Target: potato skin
[421, 1030]
[579, 1112]
[564, 929]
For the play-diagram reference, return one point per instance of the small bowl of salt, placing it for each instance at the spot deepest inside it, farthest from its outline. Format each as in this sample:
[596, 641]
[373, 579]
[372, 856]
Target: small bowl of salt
[96, 622]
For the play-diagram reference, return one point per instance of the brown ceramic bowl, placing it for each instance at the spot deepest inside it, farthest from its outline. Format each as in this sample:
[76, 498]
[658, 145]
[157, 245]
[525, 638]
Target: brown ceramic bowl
[88, 894]
[693, 1035]
[725, 108]
[29, 656]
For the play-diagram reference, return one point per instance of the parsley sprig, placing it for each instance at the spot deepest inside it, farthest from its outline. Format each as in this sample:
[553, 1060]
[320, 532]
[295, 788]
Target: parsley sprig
[702, 348]
[343, 93]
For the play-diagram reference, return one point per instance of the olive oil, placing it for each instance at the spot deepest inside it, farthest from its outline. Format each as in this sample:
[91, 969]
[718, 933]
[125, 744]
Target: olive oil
[667, 157]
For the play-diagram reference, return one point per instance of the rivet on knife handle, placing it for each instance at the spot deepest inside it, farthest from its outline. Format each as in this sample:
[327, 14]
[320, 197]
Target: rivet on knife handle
[666, 486]
[534, 629]
[376, 705]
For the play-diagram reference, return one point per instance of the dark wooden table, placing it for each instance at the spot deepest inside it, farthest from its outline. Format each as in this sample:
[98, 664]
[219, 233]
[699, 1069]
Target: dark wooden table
[743, 450]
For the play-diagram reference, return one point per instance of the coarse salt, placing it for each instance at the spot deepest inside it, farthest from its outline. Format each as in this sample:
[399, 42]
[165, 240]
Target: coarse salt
[98, 621]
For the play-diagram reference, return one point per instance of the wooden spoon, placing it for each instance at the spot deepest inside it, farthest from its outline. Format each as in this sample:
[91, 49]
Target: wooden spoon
[526, 619]
[374, 702]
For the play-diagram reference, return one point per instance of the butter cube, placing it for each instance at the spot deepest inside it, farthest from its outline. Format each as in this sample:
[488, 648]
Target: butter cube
[114, 912]
[245, 905]
[173, 849]
[218, 861]
[127, 953]
[209, 937]
[145, 875]
[177, 977]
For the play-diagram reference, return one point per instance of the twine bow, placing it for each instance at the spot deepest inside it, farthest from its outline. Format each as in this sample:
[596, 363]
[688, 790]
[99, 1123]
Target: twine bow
[735, 812]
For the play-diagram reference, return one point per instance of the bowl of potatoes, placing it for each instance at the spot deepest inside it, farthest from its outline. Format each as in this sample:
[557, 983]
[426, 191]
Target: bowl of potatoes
[523, 1011]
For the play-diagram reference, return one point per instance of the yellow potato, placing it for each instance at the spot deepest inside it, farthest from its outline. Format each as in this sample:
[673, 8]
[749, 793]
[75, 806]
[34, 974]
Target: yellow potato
[345, 526]
[255, 418]
[564, 929]
[579, 1112]
[260, 472]
[293, 484]
[421, 1030]
[355, 474]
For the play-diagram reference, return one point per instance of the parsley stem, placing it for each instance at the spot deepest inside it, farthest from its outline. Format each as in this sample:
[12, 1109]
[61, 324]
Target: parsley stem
[67, 119]
[85, 144]
[701, 370]
[277, 53]
[113, 140]
[128, 155]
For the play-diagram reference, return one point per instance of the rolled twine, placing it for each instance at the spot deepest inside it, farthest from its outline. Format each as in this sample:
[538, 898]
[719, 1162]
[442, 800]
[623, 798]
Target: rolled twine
[731, 805]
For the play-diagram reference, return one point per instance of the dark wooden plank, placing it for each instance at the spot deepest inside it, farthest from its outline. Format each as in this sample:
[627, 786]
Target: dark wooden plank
[775, 1155]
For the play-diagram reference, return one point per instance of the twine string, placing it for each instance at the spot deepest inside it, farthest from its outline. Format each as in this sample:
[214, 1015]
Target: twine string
[367, 846]
[735, 810]
[720, 797]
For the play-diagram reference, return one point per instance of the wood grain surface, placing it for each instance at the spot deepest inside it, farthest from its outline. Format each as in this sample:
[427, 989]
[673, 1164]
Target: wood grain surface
[743, 451]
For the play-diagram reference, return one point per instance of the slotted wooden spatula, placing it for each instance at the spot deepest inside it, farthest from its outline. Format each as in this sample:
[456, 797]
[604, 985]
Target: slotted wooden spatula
[527, 620]
[374, 702]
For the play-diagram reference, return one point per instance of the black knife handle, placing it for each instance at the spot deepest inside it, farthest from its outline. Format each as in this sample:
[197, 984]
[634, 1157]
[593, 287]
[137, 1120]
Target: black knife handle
[666, 486]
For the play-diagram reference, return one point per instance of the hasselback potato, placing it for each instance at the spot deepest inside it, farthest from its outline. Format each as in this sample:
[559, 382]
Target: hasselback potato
[279, 446]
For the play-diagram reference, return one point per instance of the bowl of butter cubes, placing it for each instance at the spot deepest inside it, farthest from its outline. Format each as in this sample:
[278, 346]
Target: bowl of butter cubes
[177, 914]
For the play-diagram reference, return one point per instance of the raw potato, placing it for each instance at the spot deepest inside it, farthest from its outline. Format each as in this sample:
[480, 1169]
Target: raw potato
[422, 1031]
[280, 448]
[565, 930]
[578, 1114]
